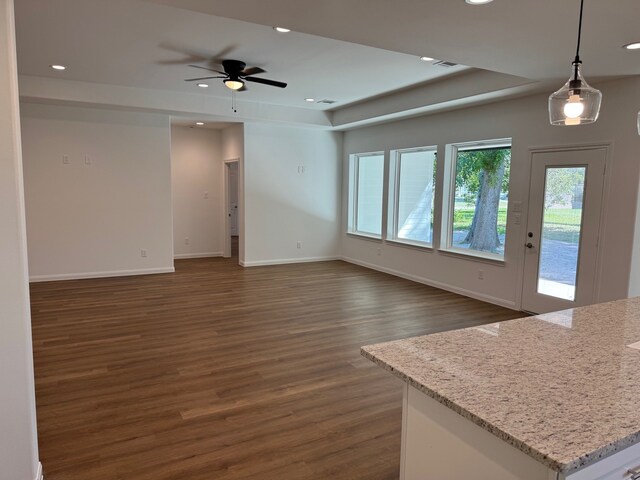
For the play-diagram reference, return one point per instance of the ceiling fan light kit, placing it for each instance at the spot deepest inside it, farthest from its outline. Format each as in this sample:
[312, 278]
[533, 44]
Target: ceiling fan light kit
[234, 84]
[576, 103]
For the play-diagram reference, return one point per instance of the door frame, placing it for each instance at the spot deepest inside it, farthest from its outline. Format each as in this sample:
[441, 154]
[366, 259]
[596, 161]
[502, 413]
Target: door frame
[608, 146]
[226, 205]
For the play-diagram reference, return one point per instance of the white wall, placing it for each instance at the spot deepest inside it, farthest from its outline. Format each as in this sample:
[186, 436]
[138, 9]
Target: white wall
[233, 149]
[283, 206]
[198, 196]
[526, 121]
[18, 439]
[94, 220]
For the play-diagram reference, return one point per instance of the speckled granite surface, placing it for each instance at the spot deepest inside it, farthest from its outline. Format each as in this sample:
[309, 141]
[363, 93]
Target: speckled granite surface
[562, 387]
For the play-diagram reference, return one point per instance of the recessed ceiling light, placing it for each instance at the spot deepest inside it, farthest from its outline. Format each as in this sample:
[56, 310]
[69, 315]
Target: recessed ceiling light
[203, 85]
[478, 2]
[427, 59]
[58, 67]
[282, 29]
[200, 124]
[309, 100]
[632, 46]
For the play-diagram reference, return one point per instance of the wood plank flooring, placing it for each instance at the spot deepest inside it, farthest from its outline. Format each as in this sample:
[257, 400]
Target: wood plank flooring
[219, 372]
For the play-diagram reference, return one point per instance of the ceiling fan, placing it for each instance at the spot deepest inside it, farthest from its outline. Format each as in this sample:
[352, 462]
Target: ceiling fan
[235, 75]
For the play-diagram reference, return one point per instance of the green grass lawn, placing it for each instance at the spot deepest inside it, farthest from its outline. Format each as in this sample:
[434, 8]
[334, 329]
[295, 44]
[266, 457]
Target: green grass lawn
[562, 224]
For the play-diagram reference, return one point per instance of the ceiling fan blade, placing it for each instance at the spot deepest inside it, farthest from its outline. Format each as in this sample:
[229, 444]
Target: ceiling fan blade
[207, 68]
[179, 62]
[222, 55]
[264, 81]
[188, 55]
[252, 71]
[201, 78]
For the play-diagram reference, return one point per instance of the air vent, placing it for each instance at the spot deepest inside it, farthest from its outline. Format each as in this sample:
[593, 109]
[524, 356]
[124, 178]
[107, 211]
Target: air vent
[328, 102]
[442, 63]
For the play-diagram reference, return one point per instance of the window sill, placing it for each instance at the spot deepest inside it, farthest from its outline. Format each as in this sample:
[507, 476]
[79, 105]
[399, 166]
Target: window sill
[473, 256]
[364, 236]
[409, 244]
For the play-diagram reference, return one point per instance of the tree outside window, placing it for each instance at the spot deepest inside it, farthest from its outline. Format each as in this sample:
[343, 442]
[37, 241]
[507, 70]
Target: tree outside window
[481, 199]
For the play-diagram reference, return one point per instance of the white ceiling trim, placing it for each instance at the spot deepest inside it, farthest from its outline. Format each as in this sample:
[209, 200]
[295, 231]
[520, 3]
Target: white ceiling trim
[452, 92]
[69, 92]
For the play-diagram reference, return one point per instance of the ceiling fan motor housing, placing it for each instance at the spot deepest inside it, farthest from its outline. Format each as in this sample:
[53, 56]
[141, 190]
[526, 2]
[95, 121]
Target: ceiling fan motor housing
[233, 67]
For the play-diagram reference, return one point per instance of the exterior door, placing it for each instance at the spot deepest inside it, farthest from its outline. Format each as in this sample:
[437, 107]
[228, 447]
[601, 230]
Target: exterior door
[561, 249]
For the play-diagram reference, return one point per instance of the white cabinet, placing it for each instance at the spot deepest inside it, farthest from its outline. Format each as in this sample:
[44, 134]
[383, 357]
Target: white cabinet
[439, 444]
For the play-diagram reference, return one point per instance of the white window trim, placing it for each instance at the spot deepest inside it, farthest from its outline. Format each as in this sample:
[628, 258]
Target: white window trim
[448, 197]
[394, 197]
[352, 220]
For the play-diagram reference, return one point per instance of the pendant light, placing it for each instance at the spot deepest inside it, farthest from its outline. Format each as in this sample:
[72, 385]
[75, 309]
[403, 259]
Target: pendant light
[576, 103]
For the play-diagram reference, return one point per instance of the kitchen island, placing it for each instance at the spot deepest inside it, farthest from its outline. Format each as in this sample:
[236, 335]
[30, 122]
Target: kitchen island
[555, 396]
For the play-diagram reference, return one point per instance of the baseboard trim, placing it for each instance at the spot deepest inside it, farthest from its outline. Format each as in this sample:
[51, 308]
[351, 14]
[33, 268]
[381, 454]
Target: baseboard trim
[432, 283]
[115, 273]
[285, 261]
[183, 256]
[39, 474]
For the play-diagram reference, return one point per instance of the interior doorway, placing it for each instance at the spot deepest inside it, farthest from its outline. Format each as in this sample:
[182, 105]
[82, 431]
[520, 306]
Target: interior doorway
[561, 248]
[232, 228]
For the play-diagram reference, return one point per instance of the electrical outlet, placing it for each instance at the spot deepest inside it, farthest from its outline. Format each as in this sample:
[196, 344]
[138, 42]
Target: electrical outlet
[480, 274]
[87, 160]
[299, 244]
[205, 195]
[379, 251]
[65, 160]
[143, 253]
[187, 241]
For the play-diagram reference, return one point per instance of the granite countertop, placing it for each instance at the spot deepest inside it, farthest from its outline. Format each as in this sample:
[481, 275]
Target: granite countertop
[562, 387]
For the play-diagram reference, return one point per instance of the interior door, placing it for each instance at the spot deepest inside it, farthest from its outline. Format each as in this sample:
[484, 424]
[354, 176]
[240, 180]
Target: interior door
[561, 249]
[233, 197]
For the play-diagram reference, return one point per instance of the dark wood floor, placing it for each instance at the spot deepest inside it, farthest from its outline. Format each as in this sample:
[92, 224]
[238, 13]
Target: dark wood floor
[219, 372]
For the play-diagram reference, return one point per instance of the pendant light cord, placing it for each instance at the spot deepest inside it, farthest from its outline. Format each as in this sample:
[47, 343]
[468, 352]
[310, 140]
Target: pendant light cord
[577, 61]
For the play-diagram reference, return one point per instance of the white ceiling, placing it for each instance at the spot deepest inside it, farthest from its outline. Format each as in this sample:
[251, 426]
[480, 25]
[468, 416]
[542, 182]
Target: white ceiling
[529, 38]
[125, 42]
[356, 52]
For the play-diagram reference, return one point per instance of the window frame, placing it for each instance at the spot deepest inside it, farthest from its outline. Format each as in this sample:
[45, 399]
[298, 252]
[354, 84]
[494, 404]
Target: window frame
[354, 176]
[395, 163]
[449, 198]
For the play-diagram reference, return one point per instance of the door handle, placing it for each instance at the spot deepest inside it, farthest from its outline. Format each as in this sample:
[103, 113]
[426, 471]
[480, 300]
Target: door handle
[529, 245]
[634, 473]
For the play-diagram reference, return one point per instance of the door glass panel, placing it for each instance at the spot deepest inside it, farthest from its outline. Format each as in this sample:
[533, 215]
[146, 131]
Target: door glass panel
[561, 229]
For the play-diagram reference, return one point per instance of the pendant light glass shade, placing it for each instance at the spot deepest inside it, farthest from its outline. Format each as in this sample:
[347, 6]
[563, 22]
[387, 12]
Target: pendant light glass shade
[576, 103]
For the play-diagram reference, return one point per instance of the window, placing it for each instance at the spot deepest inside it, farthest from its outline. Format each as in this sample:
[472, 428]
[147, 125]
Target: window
[366, 181]
[476, 197]
[411, 194]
